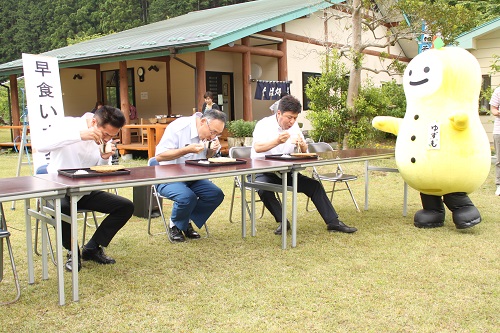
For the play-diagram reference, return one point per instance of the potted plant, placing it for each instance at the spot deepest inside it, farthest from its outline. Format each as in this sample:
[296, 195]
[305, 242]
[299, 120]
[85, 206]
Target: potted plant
[240, 132]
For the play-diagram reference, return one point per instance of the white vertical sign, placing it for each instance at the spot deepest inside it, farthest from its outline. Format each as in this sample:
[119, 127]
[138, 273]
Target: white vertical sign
[44, 98]
[434, 138]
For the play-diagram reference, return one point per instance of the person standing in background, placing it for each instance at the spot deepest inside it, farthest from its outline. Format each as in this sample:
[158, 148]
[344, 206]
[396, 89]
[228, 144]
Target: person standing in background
[494, 105]
[209, 102]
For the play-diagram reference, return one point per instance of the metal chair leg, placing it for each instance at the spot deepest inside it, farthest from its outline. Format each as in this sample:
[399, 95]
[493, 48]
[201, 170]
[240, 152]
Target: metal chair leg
[49, 243]
[5, 234]
[85, 223]
[206, 229]
[154, 194]
[232, 202]
[352, 197]
[248, 208]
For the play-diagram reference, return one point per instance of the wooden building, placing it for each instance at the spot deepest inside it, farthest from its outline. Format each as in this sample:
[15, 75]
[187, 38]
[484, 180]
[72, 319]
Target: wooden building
[169, 65]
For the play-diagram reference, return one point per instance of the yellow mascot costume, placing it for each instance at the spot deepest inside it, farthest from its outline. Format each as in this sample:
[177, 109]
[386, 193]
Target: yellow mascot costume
[442, 149]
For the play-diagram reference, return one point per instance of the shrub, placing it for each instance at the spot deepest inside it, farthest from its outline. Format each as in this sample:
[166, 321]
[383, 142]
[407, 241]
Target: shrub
[240, 128]
[328, 95]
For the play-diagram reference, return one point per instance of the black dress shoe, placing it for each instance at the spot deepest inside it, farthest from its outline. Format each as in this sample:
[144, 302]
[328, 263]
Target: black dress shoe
[97, 255]
[69, 263]
[341, 227]
[191, 233]
[176, 235]
[279, 230]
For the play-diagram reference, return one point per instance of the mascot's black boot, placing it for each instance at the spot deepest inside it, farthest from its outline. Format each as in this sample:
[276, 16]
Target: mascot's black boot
[432, 216]
[465, 214]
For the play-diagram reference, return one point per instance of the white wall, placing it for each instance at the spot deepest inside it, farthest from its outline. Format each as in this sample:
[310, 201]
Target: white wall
[485, 47]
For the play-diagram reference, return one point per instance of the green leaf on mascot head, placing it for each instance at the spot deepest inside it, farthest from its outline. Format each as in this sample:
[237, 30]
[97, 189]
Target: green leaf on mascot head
[437, 43]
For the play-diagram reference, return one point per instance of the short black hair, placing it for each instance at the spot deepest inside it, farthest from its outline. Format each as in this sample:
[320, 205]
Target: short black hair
[290, 104]
[110, 115]
[209, 94]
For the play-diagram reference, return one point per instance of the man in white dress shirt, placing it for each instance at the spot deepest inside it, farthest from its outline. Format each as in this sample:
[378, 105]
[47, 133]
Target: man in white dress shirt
[74, 142]
[280, 134]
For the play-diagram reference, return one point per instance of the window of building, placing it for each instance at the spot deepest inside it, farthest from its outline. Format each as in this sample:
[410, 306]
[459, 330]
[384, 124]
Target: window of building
[484, 103]
[305, 78]
[111, 87]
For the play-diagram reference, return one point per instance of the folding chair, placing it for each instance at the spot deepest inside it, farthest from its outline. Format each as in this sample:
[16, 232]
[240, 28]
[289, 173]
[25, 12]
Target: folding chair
[43, 170]
[240, 152]
[157, 196]
[5, 234]
[335, 177]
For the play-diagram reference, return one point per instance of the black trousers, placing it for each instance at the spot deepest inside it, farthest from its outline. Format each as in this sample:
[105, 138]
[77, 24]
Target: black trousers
[119, 209]
[310, 187]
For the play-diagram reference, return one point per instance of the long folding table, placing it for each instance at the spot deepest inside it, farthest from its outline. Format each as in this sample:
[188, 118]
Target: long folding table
[27, 188]
[151, 175]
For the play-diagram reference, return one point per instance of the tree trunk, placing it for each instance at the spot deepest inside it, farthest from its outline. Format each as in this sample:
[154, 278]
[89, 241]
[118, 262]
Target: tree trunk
[357, 59]
[355, 75]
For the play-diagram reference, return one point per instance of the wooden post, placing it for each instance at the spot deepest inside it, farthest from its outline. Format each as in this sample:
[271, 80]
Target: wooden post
[247, 87]
[169, 86]
[282, 61]
[98, 83]
[14, 101]
[124, 102]
[201, 79]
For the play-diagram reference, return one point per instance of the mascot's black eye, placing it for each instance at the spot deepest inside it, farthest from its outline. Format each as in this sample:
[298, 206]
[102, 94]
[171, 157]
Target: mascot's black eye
[416, 117]
[426, 70]
[413, 137]
[413, 160]
[409, 73]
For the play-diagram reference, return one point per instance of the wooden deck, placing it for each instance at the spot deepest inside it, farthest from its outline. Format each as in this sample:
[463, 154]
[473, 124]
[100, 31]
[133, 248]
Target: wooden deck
[155, 131]
[134, 147]
[17, 144]
[4, 145]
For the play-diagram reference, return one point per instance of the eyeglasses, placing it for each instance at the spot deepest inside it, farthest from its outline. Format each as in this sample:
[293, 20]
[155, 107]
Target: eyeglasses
[212, 132]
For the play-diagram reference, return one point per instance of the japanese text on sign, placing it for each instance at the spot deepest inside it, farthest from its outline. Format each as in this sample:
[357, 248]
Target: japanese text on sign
[44, 97]
[433, 141]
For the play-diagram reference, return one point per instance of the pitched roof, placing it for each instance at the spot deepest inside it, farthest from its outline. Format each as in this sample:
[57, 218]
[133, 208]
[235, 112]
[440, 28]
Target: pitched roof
[196, 31]
[466, 40]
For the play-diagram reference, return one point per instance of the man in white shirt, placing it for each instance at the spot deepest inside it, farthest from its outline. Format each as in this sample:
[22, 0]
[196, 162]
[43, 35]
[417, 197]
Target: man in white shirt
[280, 134]
[188, 138]
[74, 142]
[494, 105]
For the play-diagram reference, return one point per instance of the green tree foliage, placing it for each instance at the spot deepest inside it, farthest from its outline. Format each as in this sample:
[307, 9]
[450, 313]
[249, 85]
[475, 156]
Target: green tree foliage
[485, 10]
[448, 18]
[163, 9]
[7, 22]
[119, 15]
[333, 121]
[328, 94]
[35, 26]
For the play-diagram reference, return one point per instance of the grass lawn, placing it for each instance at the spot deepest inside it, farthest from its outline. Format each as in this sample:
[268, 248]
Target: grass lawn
[387, 277]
